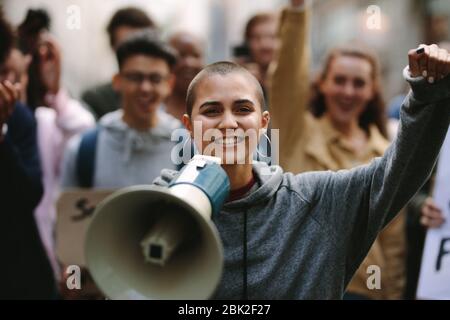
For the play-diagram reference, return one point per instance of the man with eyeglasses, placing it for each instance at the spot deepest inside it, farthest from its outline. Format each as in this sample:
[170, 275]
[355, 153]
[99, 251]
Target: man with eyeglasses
[103, 98]
[131, 145]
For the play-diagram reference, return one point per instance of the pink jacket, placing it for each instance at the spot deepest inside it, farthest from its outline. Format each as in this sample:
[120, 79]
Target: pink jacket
[56, 124]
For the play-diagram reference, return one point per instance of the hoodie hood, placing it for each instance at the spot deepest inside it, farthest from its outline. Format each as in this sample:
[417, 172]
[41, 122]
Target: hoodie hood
[269, 178]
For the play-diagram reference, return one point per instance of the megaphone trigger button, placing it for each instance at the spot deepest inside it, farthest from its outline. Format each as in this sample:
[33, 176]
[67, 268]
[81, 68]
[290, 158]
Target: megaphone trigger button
[200, 164]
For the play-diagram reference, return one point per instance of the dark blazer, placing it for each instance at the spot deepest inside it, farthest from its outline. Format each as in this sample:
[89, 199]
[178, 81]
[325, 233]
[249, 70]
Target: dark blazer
[24, 269]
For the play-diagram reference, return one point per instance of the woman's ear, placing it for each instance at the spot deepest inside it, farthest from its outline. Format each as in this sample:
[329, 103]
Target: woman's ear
[187, 123]
[265, 119]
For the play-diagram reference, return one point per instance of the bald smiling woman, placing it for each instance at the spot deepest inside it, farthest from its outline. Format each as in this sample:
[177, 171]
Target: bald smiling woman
[303, 236]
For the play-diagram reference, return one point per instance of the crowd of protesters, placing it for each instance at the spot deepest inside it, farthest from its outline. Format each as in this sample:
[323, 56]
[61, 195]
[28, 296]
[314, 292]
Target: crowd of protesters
[120, 134]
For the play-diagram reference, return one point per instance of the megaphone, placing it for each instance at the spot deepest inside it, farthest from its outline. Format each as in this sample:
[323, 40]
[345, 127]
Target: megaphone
[151, 242]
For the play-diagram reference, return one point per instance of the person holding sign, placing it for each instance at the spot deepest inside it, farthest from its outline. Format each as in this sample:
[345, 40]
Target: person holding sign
[431, 214]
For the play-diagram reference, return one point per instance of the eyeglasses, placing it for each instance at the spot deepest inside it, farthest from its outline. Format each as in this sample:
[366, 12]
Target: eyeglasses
[138, 78]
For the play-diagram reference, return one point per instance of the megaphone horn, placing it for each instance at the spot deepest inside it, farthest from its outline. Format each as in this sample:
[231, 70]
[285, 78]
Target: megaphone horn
[151, 242]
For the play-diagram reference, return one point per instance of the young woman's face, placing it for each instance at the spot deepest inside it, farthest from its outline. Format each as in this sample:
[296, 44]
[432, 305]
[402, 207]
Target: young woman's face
[347, 88]
[226, 119]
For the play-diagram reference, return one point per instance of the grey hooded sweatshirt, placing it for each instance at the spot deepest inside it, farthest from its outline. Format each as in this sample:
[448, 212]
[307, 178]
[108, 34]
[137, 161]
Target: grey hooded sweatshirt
[304, 236]
[124, 156]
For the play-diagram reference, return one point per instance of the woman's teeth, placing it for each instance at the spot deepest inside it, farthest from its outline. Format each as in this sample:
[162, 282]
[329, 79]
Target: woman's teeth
[229, 140]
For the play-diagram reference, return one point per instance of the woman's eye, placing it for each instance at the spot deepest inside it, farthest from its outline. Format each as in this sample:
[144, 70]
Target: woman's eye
[359, 83]
[243, 109]
[339, 80]
[211, 111]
